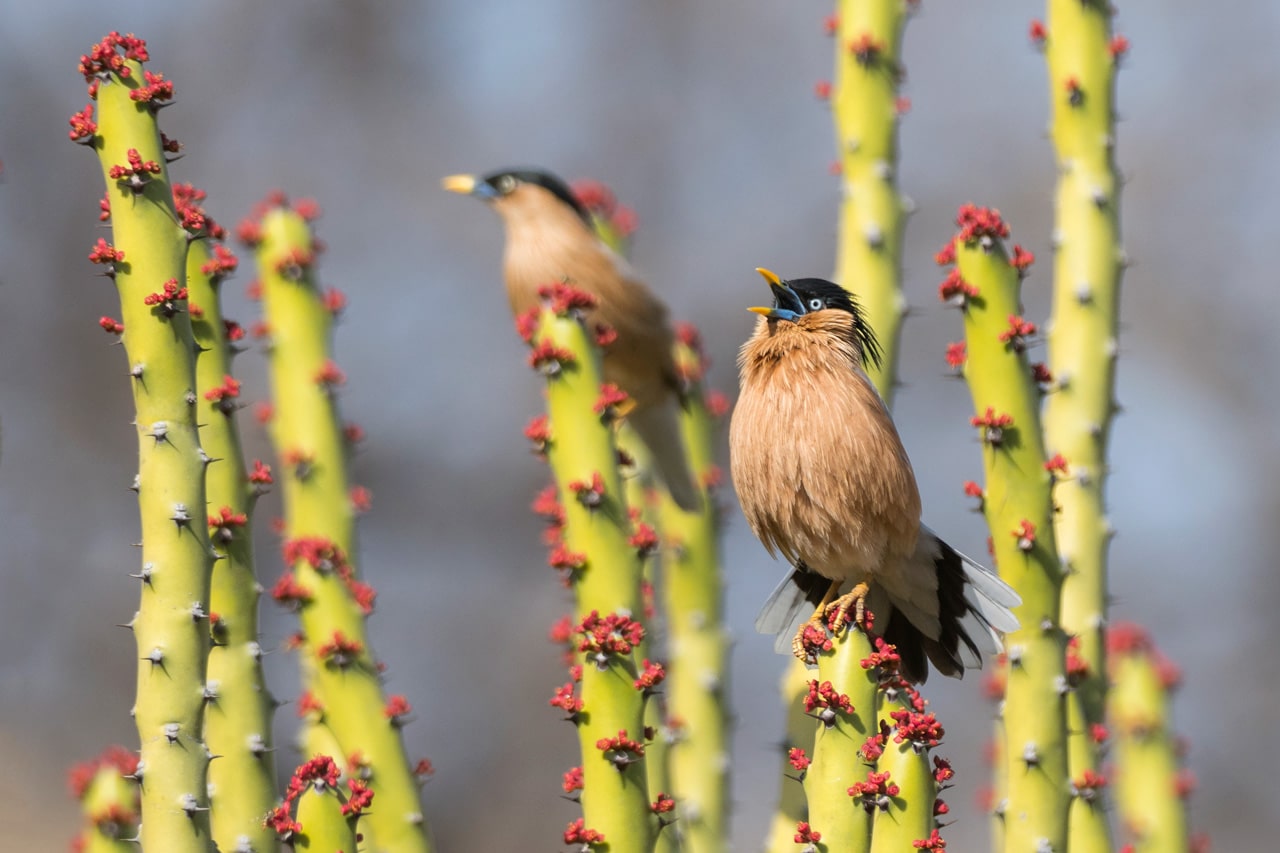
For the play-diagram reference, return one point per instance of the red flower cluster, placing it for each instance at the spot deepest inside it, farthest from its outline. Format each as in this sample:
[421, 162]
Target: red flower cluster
[978, 223]
[612, 634]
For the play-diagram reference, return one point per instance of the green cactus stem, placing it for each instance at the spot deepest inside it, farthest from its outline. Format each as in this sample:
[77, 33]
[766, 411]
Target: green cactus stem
[866, 107]
[605, 573]
[797, 745]
[1019, 510]
[843, 699]
[319, 813]
[322, 583]
[907, 733]
[242, 786]
[1082, 56]
[109, 800]
[147, 262]
[693, 602]
[1151, 787]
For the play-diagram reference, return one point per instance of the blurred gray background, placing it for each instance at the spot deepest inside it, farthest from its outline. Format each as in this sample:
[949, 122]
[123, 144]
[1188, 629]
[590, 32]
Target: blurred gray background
[702, 117]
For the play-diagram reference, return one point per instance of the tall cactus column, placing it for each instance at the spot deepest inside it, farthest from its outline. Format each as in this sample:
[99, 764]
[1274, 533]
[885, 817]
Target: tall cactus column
[866, 108]
[147, 262]
[332, 601]
[242, 785]
[605, 573]
[1019, 512]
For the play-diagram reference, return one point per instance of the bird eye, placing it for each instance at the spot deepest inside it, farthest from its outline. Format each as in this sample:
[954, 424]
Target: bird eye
[816, 304]
[506, 184]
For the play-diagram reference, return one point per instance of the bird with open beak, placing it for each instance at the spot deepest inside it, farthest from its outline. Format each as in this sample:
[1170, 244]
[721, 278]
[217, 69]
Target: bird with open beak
[824, 480]
[550, 239]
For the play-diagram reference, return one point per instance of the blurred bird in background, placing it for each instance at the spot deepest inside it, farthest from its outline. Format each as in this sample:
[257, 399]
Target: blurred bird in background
[550, 239]
[824, 480]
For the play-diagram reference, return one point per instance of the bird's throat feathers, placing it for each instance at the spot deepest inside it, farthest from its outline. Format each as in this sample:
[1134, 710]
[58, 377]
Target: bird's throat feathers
[821, 340]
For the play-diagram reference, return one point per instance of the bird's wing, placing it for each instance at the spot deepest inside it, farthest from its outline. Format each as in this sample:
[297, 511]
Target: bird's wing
[659, 428]
[791, 603]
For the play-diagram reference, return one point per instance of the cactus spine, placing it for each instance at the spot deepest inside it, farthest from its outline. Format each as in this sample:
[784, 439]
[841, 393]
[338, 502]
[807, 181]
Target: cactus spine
[148, 265]
[697, 643]
[1018, 510]
[332, 601]
[605, 573]
[865, 106]
[1082, 59]
[242, 786]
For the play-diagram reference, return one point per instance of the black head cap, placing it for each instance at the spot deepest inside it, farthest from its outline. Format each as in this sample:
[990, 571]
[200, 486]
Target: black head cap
[504, 181]
[817, 294]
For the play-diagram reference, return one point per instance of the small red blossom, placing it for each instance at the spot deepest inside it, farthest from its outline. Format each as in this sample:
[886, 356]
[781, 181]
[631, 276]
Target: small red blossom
[933, 842]
[360, 799]
[590, 495]
[873, 747]
[572, 780]
[561, 631]
[249, 232]
[137, 173]
[363, 594]
[957, 352]
[1098, 733]
[166, 300]
[822, 90]
[1017, 332]
[290, 593]
[397, 709]
[564, 299]
[1184, 785]
[610, 400]
[423, 769]
[565, 699]
[104, 207]
[361, 498]
[110, 326]
[946, 256]
[527, 324]
[261, 474]
[955, 289]
[605, 335]
[281, 821]
[609, 635]
[922, 730]
[234, 331]
[109, 55]
[620, 750]
[652, 675]
[806, 834]
[797, 758]
[1056, 465]
[979, 224]
[171, 146]
[1040, 374]
[1025, 533]
[942, 772]
[644, 540]
[717, 404]
[586, 837]
[564, 559]
[902, 105]
[1118, 47]
[824, 698]
[222, 264]
[104, 253]
[885, 657]
[294, 265]
[307, 208]
[1021, 260]
[225, 394]
[334, 301]
[156, 90]
[663, 804]
[83, 127]
[81, 775]
[993, 425]
[1038, 32]
[866, 50]
[549, 359]
[309, 704]
[830, 24]
[329, 376]
[972, 489]
[341, 651]
[222, 526]
[875, 791]
[815, 640]
[1090, 785]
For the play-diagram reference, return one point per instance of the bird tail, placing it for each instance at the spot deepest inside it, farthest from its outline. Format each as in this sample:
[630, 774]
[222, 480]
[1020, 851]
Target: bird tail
[790, 604]
[659, 428]
[974, 611]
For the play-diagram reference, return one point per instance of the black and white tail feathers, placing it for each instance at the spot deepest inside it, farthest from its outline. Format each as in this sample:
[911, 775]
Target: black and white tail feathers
[974, 609]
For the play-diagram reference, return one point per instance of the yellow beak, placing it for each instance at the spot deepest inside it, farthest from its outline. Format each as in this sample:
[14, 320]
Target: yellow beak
[774, 281]
[463, 184]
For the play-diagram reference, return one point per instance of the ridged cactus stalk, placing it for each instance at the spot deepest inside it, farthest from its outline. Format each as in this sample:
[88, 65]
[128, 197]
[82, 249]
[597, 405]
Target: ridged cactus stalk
[594, 543]
[1151, 786]
[107, 789]
[320, 814]
[1018, 506]
[693, 604]
[866, 106]
[242, 784]
[797, 744]
[904, 819]
[146, 258]
[345, 694]
[1083, 55]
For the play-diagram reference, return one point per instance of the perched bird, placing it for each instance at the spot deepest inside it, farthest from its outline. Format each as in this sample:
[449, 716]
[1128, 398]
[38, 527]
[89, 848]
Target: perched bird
[550, 239]
[824, 480]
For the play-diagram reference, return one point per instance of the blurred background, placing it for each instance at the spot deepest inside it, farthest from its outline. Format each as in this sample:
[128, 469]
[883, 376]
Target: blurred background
[702, 117]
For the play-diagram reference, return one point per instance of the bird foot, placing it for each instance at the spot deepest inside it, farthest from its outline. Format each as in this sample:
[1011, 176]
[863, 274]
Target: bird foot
[838, 610]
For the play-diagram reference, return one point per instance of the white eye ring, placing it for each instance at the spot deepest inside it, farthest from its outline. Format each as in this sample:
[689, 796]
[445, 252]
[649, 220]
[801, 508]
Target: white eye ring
[815, 304]
[506, 184]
